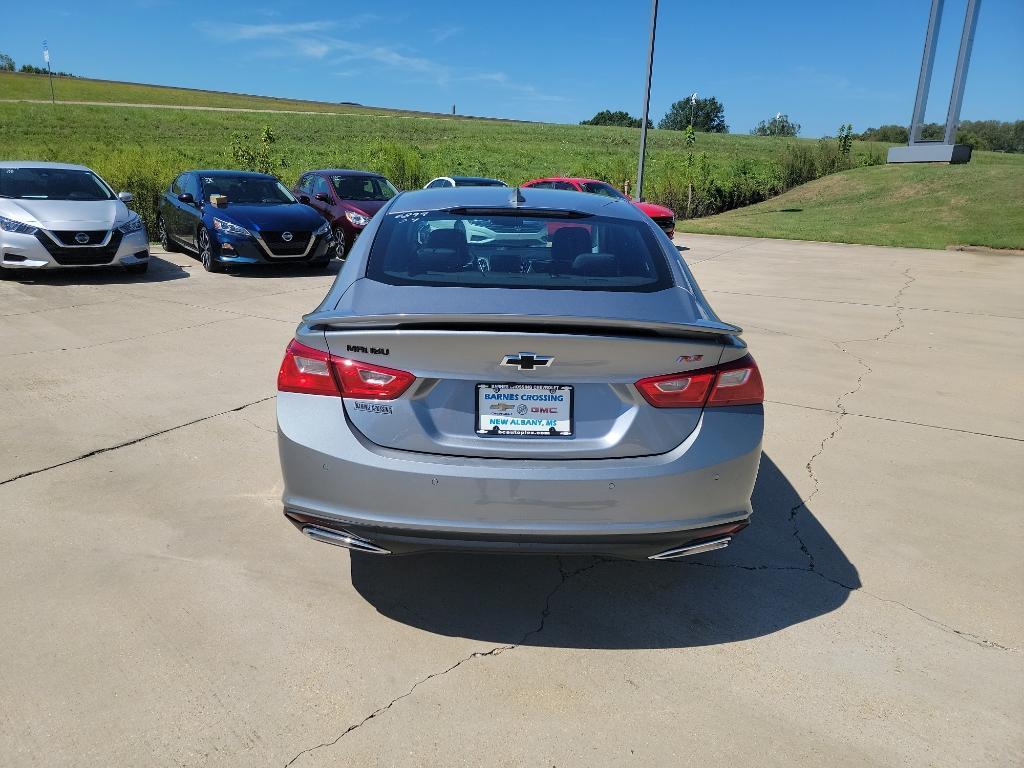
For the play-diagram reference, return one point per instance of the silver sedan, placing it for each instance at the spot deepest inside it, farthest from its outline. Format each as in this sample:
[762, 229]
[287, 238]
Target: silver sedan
[54, 216]
[506, 370]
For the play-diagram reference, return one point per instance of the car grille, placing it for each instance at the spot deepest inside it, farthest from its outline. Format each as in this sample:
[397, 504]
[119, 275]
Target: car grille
[82, 255]
[667, 223]
[278, 247]
[68, 237]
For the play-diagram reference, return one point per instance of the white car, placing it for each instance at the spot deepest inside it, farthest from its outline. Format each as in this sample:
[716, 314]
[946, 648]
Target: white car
[54, 216]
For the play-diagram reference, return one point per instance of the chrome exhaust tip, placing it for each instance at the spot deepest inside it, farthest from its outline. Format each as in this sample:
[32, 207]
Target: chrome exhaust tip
[692, 549]
[340, 539]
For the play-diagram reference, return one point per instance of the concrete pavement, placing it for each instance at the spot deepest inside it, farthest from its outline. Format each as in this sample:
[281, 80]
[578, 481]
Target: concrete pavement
[160, 611]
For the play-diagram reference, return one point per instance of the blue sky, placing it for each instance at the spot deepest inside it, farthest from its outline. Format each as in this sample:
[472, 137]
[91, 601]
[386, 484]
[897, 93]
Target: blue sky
[822, 63]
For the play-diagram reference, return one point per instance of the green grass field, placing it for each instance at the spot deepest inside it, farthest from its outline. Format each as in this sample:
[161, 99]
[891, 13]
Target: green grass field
[142, 149]
[922, 206]
[37, 88]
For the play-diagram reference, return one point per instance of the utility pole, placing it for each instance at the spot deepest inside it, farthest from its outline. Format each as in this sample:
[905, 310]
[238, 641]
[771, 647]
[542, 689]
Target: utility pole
[647, 103]
[46, 58]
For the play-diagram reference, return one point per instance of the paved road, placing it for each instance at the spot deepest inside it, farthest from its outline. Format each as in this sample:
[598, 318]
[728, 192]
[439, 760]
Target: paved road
[159, 611]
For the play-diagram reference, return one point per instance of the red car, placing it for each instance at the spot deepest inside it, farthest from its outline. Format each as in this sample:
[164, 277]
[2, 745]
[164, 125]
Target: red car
[348, 199]
[663, 217]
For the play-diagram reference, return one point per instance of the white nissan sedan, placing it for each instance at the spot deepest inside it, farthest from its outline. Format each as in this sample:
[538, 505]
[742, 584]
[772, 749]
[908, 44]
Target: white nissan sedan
[54, 216]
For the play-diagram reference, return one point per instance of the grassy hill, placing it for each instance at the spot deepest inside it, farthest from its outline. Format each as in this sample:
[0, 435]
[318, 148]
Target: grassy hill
[142, 149]
[37, 88]
[923, 206]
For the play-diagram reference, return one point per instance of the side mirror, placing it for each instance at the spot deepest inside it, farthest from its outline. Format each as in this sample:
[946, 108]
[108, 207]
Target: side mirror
[125, 197]
[304, 199]
[186, 198]
[323, 198]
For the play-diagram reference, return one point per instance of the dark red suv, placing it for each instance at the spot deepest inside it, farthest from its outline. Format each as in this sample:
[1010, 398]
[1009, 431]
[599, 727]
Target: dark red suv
[347, 199]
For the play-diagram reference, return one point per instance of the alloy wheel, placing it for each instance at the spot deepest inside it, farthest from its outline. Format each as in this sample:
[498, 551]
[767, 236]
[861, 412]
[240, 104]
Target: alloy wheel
[339, 242]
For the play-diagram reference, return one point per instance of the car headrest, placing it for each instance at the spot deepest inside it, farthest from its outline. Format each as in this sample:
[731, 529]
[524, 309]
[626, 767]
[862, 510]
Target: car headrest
[595, 265]
[446, 238]
[569, 242]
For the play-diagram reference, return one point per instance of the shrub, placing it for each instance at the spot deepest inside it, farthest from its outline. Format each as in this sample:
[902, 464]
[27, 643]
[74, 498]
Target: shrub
[399, 162]
[256, 156]
[141, 172]
[798, 165]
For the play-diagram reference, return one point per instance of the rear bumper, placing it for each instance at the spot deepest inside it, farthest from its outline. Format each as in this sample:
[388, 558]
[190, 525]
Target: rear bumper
[633, 547]
[423, 501]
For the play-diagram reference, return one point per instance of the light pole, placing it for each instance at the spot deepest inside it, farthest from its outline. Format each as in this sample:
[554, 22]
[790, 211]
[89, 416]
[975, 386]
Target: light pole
[647, 103]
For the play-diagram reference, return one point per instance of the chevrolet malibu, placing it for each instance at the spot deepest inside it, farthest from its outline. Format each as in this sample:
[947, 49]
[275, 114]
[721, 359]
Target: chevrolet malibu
[479, 380]
[54, 216]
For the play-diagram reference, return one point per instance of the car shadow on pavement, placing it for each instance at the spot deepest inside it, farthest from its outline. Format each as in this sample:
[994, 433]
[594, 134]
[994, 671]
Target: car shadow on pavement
[761, 584]
[159, 271]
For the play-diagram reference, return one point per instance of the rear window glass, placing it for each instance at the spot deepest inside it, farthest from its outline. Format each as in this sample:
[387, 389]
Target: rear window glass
[441, 248]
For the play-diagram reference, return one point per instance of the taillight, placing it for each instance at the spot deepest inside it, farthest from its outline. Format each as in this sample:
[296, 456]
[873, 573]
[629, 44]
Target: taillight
[313, 372]
[735, 383]
[370, 382]
[306, 370]
[738, 383]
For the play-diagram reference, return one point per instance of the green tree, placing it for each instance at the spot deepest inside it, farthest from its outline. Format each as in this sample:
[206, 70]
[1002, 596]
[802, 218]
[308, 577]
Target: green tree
[607, 117]
[780, 125]
[706, 115]
[6, 63]
[845, 139]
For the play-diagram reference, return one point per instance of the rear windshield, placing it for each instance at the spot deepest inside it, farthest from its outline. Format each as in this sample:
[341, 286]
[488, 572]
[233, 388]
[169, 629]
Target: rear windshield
[247, 190]
[460, 182]
[494, 250]
[52, 184]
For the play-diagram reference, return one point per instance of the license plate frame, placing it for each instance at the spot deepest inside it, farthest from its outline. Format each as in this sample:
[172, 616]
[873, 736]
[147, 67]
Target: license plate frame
[487, 422]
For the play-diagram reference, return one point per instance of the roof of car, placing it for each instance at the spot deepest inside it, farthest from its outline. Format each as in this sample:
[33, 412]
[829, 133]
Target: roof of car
[347, 172]
[577, 179]
[41, 164]
[472, 178]
[442, 198]
[227, 172]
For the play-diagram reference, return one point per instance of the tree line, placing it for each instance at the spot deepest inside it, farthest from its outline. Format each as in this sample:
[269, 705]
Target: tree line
[995, 135]
[708, 115]
[7, 65]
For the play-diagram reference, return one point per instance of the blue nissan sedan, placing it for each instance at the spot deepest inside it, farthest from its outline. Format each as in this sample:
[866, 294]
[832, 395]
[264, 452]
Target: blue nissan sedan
[236, 217]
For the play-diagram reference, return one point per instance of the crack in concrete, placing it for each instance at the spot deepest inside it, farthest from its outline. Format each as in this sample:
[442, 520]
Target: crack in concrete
[968, 636]
[133, 441]
[841, 413]
[564, 576]
[717, 255]
[898, 421]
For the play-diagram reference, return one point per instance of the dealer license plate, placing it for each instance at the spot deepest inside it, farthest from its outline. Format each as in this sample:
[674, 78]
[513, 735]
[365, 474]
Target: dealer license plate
[524, 409]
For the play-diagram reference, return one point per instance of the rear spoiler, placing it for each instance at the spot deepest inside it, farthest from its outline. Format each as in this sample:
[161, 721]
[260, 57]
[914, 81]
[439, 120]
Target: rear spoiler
[330, 320]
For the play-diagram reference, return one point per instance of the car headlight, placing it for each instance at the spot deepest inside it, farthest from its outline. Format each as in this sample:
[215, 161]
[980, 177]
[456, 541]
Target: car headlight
[357, 218]
[324, 229]
[10, 225]
[230, 228]
[134, 224]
